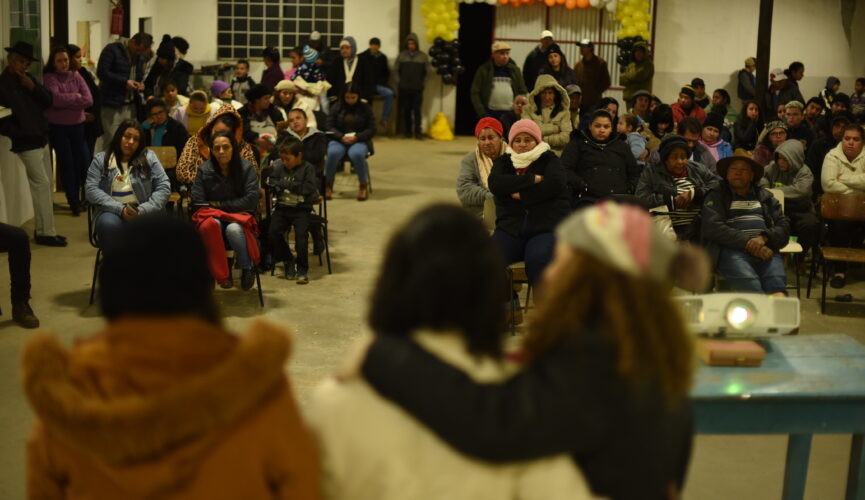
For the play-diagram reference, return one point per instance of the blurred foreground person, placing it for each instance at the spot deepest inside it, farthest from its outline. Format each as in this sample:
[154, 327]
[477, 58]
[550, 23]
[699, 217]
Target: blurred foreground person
[371, 448]
[164, 402]
[608, 364]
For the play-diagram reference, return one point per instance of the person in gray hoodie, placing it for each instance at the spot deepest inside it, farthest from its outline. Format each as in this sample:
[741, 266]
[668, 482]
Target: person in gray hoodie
[789, 173]
[411, 72]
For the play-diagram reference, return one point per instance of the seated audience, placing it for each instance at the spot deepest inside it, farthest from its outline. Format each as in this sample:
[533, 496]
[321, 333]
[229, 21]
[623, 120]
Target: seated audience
[195, 114]
[833, 85]
[844, 173]
[351, 125]
[241, 81]
[748, 126]
[720, 97]
[637, 142]
[640, 102]
[677, 184]
[687, 107]
[824, 122]
[314, 141]
[822, 145]
[15, 242]
[744, 229]
[283, 98]
[557, 67]
[660, 124]
[691, 130]
[773, 135]
[514, 115]
[701, 98]
[528, 184]
[473, 187]
[197, 151]
[162, 130]
[599, 165]
[224, 195]
[711, 137]
[796, 126]
[548, 106]
[222, 94]
[366, 441]
[857, 100]
[813, 109]
[584, 389]
[123, 182]
[575, 94]
[791, 175]
[350, 68]
[165, 402]
[173, 98]
[260, 118]
[294, 187]
[66, 123]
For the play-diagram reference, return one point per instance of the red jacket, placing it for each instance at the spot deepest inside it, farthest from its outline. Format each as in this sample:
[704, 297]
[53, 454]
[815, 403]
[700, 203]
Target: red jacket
[211, 233]
[679, 113]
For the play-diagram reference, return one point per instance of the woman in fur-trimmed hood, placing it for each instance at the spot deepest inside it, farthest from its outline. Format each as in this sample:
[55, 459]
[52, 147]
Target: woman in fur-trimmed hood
[164, 402]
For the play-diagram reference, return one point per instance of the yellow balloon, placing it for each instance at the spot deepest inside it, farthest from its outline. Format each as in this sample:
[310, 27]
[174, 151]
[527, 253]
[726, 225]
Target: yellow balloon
[441, 29]
[621, 34]
[645, 34]
[629, 32]
[454, 25]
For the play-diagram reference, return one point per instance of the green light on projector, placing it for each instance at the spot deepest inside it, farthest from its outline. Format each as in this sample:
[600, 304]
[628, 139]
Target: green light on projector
[733, 388]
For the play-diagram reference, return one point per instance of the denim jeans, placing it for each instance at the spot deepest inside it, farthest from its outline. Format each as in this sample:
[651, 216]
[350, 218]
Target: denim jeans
[535, 251]
[233, 233]
[106, 227]
[747, 273]
[357, 153]
[40, 178]
[73, 158]
[386, 100]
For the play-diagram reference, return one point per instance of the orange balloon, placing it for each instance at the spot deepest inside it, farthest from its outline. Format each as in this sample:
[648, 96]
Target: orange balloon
[582, 3]
[570, 4]
[503, 2]
[550, 3]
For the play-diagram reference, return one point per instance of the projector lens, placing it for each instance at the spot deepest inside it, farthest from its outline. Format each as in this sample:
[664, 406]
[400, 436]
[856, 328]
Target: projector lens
[740, 314]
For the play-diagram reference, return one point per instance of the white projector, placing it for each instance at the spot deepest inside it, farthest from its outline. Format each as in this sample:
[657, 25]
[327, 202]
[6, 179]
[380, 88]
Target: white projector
[739, 315]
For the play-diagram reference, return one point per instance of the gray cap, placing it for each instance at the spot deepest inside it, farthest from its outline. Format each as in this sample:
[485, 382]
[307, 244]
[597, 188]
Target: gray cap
[573, 89]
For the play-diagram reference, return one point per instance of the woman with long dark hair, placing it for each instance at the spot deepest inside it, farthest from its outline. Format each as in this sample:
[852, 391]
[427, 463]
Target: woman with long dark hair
[748, 126]
[125, 181]
[66, 123]
[224, 194]
[557, 67]
[92, 123]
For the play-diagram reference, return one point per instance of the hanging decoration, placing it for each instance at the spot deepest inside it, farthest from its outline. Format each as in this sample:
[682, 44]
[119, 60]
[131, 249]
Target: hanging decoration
[610, 5]
[441, 18]
[634, 17]
[445, 58]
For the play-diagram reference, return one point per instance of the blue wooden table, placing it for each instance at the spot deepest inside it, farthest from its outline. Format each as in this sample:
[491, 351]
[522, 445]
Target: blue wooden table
[808, 384]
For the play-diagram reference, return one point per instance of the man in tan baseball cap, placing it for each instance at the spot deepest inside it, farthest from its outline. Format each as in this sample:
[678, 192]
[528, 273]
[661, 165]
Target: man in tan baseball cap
[497, 82]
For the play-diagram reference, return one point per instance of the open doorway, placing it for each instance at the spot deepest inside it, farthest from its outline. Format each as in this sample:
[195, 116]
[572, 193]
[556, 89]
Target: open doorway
[145, 25]
[475, 36]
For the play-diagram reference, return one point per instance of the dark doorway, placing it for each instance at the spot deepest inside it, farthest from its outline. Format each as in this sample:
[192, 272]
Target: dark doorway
[60, 23]
[476, 35]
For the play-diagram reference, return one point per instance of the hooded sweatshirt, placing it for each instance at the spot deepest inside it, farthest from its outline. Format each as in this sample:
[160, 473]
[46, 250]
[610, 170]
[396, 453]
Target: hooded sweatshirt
[166, 408]
[796, 182]
[411, 67]
[555, 127]
[842, 176]
[827, 94]
[352, 69]
[197, 152]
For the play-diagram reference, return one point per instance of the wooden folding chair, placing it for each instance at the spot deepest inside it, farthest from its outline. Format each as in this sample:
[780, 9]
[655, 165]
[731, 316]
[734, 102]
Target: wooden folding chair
[167, 156]
[793, 248]
[839, 207]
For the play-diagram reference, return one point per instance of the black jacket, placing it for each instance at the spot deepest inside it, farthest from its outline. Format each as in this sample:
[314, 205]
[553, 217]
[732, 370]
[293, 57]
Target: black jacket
[532, 66]
[364, 125]
[301, 180]
[27, 127]
[113, 71]
[541, 205]
[363, 79]
[626, 441]
[93, 129]
[210, 185]
[248, 134]
[314, 147]
[176, 136]
[656, 186]
[379, 66]
[716, 233]
[159, 76]
[814, 159]
[745, 133]
[599, 170]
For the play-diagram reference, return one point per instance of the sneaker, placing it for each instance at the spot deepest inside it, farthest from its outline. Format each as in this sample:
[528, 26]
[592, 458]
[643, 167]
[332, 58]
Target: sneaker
[302, 279]
[290, 272]
[247, 279]
[23, 315]
[228, 284]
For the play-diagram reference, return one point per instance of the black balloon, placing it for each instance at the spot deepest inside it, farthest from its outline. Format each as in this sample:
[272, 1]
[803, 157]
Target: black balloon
[455, 44]
[456, 61]
[458, 69]
[435, 63]
[439, 42]
[444, 59]
[434, 51]
[443, 70]
[448, 79]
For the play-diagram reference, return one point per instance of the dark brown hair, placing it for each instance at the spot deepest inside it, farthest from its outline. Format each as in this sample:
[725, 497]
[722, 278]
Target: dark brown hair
[636, 315]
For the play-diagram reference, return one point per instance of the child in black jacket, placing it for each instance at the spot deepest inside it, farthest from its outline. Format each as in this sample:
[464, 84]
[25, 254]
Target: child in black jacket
[293, 184]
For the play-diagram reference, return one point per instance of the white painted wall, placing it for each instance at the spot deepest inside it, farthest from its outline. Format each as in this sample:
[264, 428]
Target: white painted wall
[805, 30]
[92, 10]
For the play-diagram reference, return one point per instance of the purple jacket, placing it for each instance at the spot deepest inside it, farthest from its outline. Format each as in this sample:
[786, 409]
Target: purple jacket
[272, 75]
[68, 106]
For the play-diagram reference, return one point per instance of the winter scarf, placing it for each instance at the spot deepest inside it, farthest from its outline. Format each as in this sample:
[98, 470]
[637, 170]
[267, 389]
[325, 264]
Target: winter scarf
[522, 161]
[485, 163]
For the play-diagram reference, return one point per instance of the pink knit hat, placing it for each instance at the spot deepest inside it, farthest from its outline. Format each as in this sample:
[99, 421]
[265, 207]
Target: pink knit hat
[528, 127]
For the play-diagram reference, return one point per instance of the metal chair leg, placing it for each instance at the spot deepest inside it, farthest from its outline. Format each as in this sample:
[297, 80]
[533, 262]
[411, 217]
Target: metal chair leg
[823, 294]
[326, 237]
[798, 287]
[258, 282]
[813, 271]
[95, 274]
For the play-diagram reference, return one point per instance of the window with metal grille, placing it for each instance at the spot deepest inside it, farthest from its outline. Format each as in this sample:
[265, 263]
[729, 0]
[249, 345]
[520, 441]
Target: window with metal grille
[246, 27]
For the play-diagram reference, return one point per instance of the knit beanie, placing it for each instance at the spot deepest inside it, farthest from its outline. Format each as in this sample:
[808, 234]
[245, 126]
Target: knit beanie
[218, 87]
[528, 127]
[714, 120]
[624, 237]
[166, 48]
[285, 85]
[181, 44]
[688, 91]
[148, 254]
[669, 143]
[351, 43]
[491, 123]
[769, 128]
[554, 49]
[310, 55]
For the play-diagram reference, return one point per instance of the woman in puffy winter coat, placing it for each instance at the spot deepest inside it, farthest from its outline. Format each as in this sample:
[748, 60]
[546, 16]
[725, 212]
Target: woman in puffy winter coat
[549, 107]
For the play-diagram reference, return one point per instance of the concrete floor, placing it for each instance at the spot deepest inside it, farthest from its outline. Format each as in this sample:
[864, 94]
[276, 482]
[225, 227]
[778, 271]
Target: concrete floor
[328, 316]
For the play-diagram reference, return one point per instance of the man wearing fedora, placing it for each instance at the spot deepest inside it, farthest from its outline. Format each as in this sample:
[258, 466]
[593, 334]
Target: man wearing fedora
[27, 128]
[744, 230]
[121, 73]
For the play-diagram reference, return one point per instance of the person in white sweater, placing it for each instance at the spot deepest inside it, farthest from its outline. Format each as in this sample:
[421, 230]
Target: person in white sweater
[372, 448]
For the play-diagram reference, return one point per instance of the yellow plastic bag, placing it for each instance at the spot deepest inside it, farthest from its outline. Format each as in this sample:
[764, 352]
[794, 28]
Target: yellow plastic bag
[440, 129]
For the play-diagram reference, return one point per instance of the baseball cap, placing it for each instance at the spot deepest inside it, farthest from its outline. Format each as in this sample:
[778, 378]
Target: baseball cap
[497, 46]
[586, 42]
[546, 34]
[573, 89]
